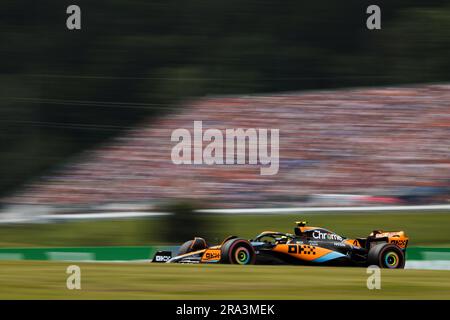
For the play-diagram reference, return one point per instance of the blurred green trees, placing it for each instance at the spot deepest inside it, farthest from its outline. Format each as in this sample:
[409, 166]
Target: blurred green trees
[62, 91]
[183, 224]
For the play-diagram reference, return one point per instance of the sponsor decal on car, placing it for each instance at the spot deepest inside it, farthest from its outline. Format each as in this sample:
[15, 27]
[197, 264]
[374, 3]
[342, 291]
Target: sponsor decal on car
[211, 255]
[400, 243]
[301, 249]
[317, 234]
[339, 244]
[162, 258]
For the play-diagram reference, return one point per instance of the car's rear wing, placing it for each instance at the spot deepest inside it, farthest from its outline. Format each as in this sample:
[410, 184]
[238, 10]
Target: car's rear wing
[398, 238]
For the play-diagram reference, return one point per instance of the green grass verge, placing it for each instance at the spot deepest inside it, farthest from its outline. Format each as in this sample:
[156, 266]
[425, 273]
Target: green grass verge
[47, 280]
[429, 229]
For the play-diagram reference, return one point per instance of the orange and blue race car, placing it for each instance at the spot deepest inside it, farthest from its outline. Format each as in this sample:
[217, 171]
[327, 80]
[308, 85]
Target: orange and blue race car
[306, 246]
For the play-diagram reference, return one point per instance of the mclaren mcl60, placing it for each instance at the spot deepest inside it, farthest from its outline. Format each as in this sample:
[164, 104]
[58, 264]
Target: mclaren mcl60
[307, 246]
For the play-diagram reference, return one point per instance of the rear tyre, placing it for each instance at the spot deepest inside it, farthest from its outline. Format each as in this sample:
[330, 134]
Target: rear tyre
[192, 245]
[238, 251]
[385, 255]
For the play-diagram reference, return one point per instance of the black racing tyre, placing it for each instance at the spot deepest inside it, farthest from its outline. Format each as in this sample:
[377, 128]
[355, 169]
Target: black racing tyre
[385, 255]
[192, 245]
[237, 251]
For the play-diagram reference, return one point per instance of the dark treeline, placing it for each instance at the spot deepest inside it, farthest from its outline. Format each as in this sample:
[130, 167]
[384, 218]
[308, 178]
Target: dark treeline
[63, 91]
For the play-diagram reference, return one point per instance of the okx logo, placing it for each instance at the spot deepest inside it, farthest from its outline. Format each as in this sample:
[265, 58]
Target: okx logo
[317, 234]
[238, 146]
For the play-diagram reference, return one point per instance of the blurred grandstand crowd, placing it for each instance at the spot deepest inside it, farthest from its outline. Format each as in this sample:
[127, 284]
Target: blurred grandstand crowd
[382, 145]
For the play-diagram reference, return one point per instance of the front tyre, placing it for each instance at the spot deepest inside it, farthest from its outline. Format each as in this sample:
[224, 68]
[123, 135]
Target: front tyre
[385, 255]
[238, 251]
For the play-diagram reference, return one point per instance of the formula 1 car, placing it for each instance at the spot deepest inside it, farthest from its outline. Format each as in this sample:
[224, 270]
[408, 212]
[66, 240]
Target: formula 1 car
[307, 246]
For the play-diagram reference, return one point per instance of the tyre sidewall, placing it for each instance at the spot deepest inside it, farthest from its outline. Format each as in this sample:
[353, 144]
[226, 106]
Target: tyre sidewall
[230, 248]
[377, 254]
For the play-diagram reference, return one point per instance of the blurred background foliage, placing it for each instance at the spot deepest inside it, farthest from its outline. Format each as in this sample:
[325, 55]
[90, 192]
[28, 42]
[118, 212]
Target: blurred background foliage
[63, 91]
[422, 229]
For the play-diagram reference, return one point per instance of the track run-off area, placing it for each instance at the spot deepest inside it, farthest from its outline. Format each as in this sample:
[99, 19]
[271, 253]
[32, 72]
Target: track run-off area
[47, 280]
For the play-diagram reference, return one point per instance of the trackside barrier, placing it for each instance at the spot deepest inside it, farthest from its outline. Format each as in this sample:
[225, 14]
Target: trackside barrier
[83, 253]
[428, 258]
[417, 257]
[43, 218]
[326, 210]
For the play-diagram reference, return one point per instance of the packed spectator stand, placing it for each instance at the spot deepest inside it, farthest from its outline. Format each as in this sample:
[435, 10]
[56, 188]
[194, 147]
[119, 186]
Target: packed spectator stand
[369, 142]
